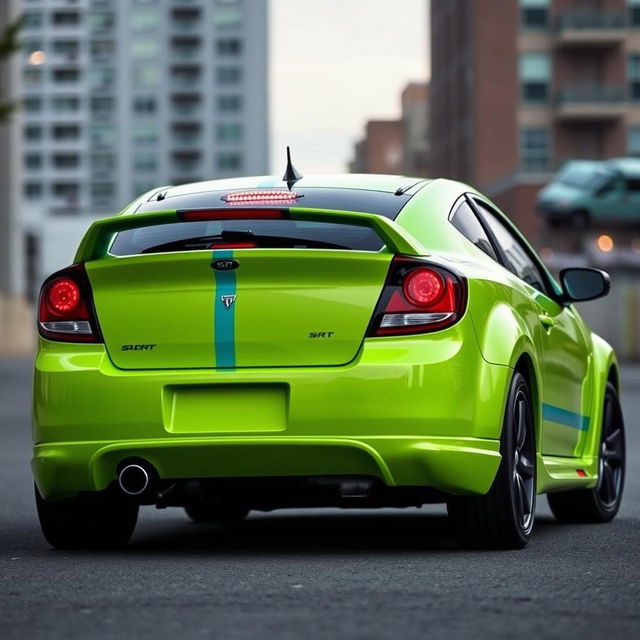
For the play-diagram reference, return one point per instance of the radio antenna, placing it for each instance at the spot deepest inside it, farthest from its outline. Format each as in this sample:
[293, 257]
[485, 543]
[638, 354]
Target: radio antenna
[291, 176]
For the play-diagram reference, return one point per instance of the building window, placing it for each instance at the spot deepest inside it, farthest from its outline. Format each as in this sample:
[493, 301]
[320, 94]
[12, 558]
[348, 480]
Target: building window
[33, 132]
[66, 132]
[66, 160]
[229, 46]
[29, 46]
[101, 79]
[230, 103]
[65, 18]
[32, 190]
[66, 76]
[186, 105]
[145, 19]
[68, 190]
[535, 149]
[227, 18]
[229, 132]
[145, 133]
[535, 76]
[33, 161]
[33, 105]
[65, 104]
[229, 161]
[633, 76]
[32, 19]
[102, 49]
[101, 20]
[68, 49]
[144, 48]
[186, 133]
[534, 14]
[185, 76]
[634, 13]
[229, 75]
[103, 134]
[102, 105]
[145, 161]
[146, 77]
[32, 77]
[144, 104]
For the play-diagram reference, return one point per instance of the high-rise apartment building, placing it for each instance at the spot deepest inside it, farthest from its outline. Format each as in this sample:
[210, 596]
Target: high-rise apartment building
[520, 86]
[121, 96]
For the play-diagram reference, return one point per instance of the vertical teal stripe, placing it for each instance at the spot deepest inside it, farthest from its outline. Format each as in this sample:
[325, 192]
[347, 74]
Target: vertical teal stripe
[224, 319]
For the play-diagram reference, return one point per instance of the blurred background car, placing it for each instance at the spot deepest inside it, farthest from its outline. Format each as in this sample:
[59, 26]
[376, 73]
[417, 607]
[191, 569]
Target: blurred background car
[592, 191]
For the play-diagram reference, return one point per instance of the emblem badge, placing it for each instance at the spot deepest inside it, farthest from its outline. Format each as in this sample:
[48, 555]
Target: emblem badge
[227, 301]
[225, 265]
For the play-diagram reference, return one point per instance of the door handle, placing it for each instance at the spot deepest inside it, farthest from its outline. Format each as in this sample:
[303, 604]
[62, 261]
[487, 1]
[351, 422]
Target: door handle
[546, 320]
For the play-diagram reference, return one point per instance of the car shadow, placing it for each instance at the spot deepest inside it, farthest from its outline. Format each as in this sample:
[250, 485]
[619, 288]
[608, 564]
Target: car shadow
[318, 534]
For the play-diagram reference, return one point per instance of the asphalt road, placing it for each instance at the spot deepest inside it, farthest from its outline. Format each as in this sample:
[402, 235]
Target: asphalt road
[314, 574]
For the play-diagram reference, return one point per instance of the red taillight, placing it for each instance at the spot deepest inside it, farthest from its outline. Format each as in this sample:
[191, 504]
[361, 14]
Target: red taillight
[423, 287]
[237, 214]
[65, 310]
[418, 297]
[266, 196]
[63, 296]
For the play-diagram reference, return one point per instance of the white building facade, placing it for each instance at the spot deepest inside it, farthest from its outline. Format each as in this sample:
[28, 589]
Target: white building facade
[121, 96]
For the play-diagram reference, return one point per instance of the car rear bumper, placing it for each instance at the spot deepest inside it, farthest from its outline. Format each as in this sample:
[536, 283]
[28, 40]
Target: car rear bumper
[413, 411]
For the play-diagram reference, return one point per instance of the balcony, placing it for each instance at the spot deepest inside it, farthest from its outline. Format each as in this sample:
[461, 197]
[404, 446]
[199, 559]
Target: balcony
[591, 102]
[590, 28]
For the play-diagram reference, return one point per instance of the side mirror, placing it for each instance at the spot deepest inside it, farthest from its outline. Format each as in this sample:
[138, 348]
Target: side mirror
[581, 283]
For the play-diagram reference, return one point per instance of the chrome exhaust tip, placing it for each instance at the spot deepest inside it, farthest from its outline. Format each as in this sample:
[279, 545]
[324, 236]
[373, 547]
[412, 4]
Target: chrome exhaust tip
[134, 479]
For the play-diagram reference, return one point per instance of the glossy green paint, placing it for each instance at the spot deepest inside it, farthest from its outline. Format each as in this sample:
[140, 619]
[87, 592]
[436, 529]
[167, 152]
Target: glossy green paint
[400, 410]
[412, 410]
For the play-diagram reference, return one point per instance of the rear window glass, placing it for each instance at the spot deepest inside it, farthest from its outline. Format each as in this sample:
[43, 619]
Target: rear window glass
[268, 234]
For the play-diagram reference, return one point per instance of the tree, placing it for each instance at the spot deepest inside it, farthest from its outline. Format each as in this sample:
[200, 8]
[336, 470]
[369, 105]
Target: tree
[9, 44]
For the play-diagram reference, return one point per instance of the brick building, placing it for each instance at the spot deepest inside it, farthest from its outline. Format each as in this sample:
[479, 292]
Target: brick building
[397, 146]
[520, 86]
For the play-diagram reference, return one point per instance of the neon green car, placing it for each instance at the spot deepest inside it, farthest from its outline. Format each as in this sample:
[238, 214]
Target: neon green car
[345, 341]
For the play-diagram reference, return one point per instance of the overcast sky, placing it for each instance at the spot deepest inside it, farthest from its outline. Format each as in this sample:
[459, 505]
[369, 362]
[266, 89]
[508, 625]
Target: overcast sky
[334, 65]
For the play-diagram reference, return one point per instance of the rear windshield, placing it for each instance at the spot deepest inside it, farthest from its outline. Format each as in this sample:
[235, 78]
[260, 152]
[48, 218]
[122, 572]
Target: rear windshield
[269, 234]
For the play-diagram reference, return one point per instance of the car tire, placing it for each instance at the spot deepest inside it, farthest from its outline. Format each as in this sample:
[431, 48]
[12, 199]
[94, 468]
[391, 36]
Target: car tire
[98, 520]
[215, 513]
[600, 504]
[503, 518]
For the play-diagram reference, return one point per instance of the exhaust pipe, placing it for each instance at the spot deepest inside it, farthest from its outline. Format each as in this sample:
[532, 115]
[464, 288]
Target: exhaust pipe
[134, 479]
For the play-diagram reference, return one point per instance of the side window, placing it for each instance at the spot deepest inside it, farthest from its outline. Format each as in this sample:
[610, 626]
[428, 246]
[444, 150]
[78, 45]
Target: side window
[608, 187]
[633, 186]
[518, 260]
[465, 221]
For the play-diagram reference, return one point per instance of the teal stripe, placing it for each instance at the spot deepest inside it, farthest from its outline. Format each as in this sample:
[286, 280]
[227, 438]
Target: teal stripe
[567, 418]
[224, 322]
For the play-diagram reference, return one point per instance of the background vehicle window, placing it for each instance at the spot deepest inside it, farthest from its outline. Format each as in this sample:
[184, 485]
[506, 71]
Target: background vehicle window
[609, 186]
[465, 221]
[518, 260]
[633, 185]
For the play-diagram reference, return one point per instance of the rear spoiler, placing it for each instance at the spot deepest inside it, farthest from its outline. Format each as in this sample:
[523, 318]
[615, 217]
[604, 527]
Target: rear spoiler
[99, 236]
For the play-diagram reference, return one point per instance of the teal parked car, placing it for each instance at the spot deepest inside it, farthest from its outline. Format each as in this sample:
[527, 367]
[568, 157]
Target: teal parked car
[593, 191]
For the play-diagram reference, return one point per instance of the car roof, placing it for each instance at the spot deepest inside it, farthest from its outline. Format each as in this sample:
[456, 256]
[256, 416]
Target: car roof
[628, 166]
[372, 193]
